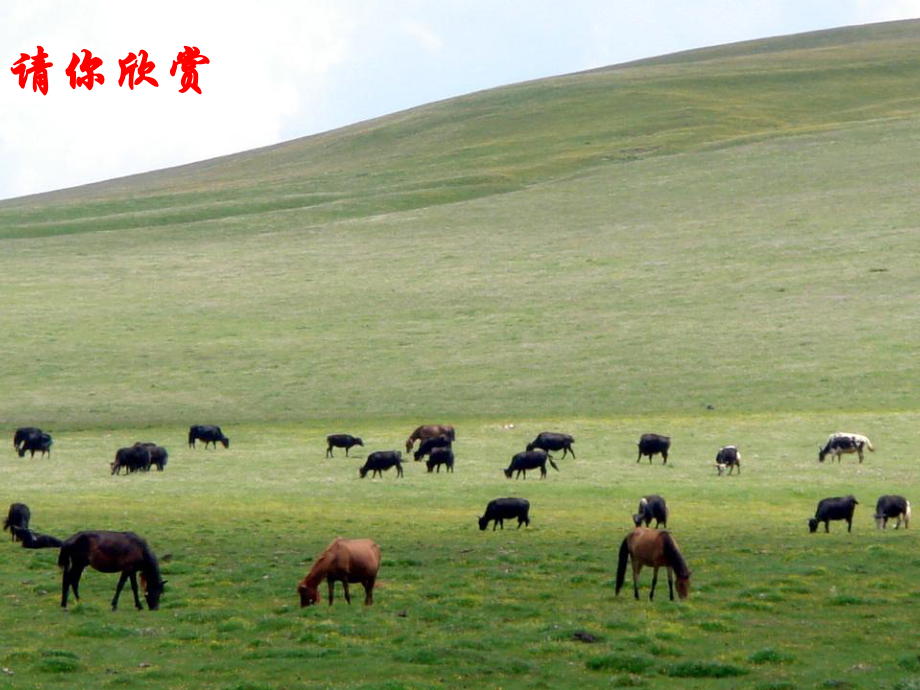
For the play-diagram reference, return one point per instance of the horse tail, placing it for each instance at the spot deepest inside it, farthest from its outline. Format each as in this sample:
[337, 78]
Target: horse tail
[621, 564]
[64, 559]
[552, 463]
[673, 556]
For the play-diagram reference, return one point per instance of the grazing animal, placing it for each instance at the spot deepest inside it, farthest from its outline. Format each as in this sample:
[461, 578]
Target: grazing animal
[430, 431]
[158, 455]
[37, 441]
[837, 508]
[653, 444]
[207, 433]
[429, 444]
[380, 461]
[841, 443]
[728, 458]
[440, 456]
[502, 509]
[17, 517]
[892, 508]
[346, 561]
[345, 441]
[22, 433]
[654, 548]
[135, 458]
[529, 460]
[652, 507]
[34, 540]
[549, 441]
[111, 552]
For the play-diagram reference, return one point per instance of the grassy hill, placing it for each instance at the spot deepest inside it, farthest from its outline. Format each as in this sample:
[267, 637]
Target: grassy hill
[728, 227]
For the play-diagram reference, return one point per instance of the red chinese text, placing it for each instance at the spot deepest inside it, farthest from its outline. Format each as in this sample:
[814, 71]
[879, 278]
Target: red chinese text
[129, 65]
[89, 65]
[189, 59]
[38, 70]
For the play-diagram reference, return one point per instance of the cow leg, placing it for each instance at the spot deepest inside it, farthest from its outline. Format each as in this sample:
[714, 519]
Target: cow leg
[572, 451]
[827, 526]
[137, 601]
[329, 452]
[118, 587]
[640, 456]
[664, 457]
[347, 593]
[860, 456]
[331, 585]
[369, 591]
[651, 594]
[670, 583]
[347, 448]
[849, 524]
[637, 568]
[495, 525]
[501, 521]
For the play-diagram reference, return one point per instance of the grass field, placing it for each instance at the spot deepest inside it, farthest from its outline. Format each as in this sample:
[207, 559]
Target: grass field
[719, 245]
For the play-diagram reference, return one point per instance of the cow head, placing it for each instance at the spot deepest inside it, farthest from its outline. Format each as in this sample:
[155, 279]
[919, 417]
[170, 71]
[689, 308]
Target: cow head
[225, 442]
[822, 453]
[359, 442]
[483, 522]
[508, 472]
[813, 525]
[362, 471]
[638, 518]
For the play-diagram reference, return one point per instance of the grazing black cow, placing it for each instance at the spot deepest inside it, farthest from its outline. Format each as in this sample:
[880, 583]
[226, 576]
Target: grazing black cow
[22, 433]
[892, 508]
[729, 458]
[837, 508]
[549, 441]
[17, 517]
[502, 509]
[653, 444]
[652, 507]
[841, 443]
[529, 460]
[34, 540]
[133, 459]
[207, 433]
[440, 456]
[382, 460]
[429, 444]
[38, 441]
[345, 441]
[158, 455]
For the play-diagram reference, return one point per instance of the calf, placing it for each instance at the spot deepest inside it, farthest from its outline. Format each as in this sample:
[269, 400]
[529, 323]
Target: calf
[345, 441]
[892, 508]
[34, 540]
[429, 444]
[652, 507]
[502, 509]
[841, 443]
[158, 455]
[208, 433]
[550, 441]
[837, 508]
[34, 442]
[133, 459]
[17, 517]
[438, 457]
[382, 460]
[653, 444]
[529, 460]
[729, 458]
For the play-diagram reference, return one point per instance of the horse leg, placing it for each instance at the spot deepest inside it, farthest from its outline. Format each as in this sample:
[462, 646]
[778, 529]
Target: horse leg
[637, 568]
[369, 591]
[670, 583]
[651, 594]
[121, 583]
[75, 573]
[347, 594]
[137, 601]
[65, 586]
[331, 588]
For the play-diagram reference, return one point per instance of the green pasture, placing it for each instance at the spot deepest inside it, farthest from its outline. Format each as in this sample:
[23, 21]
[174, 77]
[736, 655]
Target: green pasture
[719, 245]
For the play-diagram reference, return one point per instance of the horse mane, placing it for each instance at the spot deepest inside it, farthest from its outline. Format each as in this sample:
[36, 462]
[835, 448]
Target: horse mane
[322, 563]
[151, 567]
[673, 555]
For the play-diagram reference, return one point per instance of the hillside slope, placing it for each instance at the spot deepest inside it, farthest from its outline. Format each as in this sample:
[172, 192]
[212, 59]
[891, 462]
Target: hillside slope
[731, 228]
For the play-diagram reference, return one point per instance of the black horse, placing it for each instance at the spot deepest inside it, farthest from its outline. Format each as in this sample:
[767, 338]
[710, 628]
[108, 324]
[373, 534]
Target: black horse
[207, 433]
[111, 552]
[17, 517]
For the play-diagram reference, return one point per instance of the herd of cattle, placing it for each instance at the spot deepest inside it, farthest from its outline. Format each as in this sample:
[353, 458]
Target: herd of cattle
[436, 443]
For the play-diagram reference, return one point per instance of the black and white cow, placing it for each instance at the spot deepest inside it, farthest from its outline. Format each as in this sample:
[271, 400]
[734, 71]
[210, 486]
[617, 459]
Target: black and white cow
[653, 444]
[892, 508]
[841, 443]
[837, 508]
[652, 507]
[728, 458]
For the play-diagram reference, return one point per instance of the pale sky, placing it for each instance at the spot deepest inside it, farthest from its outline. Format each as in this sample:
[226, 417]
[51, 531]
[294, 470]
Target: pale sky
[280, 70]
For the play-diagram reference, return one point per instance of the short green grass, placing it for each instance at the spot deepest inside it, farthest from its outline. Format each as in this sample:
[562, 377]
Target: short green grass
[718, 245]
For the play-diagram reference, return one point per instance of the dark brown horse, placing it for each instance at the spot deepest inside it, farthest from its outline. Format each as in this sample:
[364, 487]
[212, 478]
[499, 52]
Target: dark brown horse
[427, 431]
[345, 560]
[655, 548]
[111, 552]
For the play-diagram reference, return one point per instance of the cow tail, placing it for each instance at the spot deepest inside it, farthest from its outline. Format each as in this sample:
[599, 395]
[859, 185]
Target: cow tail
[621, 564]
[869, 445]
[907, 516]
[552, 463]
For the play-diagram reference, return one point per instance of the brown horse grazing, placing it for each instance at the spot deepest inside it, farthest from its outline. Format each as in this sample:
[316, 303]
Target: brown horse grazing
[111, 552]
[654, 548]
[345, 560]
[430, 431]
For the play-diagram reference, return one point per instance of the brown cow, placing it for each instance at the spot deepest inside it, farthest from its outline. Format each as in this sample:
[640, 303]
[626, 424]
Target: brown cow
[345, 560]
